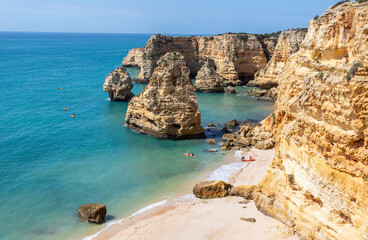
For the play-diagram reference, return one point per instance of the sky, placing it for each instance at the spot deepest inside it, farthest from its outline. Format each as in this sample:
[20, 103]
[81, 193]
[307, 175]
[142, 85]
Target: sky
[158, 16]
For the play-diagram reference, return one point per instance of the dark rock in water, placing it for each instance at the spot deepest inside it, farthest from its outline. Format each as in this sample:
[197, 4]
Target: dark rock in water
[230, 90]
[225, 130]
[212, 189]
[211, 125]
[232, 123]
[92, 212]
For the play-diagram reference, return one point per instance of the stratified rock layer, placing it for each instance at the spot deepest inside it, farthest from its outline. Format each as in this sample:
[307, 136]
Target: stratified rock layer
[318, 181]
[236, 56]
[167, 107]
[287, 44]
[208, 80]
[119, 85]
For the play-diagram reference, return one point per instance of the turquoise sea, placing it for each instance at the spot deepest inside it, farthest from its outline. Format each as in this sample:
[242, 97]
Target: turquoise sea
[51, 163]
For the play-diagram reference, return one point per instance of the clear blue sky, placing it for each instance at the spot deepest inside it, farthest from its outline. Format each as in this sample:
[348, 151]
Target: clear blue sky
[158, 16]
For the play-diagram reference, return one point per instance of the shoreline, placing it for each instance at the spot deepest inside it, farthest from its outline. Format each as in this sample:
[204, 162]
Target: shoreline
[166, 219]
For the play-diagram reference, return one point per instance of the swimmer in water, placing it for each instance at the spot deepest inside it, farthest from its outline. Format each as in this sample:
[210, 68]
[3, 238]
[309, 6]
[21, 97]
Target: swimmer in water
[60, 88]
[73, 115]
[65, 109]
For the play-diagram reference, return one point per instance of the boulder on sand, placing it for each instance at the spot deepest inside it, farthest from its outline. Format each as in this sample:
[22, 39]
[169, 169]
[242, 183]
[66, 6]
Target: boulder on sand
[212, 189]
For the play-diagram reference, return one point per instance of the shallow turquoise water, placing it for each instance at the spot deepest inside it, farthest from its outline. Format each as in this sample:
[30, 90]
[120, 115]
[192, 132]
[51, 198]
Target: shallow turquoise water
[51, 163]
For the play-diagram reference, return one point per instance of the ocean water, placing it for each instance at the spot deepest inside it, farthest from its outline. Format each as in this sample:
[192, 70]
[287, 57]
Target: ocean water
[51, 163]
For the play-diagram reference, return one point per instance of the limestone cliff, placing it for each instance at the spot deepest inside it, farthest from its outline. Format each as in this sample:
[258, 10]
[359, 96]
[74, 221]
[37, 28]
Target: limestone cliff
[287, 44]
[236, 56]
[119, 85]
[167, 107]
[318, 181]
[134, 58]
[208, 80]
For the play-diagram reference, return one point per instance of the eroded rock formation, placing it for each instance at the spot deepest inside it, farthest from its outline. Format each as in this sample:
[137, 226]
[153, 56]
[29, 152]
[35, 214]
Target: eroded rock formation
[208, 80]
[260, 136]
[119, 85]
[287, 44]
[237, 57]
[167, 107]
[318, 181]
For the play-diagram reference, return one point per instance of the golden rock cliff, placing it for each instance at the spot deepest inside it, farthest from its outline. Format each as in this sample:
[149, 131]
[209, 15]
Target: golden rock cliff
[318, 181]
[237, 57]
[167, 107]
[287, 44]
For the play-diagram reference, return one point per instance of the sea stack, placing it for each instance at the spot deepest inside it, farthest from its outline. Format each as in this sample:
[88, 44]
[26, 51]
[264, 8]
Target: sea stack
[167, 108]
[119, 85]
[208, 80]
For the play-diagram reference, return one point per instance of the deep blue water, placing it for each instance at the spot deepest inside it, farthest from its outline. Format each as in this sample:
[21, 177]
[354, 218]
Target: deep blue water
[51, 163]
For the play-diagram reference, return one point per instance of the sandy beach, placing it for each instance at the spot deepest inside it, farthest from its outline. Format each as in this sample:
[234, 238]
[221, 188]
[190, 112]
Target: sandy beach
[207, 219]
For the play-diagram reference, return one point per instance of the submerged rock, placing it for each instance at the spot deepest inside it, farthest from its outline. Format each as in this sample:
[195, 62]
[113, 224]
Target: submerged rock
[212, 189]
[119, 85]
[167, 108]
[208, 80]
[92, 212]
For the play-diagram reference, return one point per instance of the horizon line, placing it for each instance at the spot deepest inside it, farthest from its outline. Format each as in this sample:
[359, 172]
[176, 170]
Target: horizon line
[186, 34]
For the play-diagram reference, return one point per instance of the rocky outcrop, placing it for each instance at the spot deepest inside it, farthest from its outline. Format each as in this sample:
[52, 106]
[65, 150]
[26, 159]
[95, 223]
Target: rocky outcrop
[119, 85]
[318, 181]
[167, 107]
[134, 58]
[208, 80]
[232, 123]
[230, 90]
[237, 57]
[212, 189]
[92, 212]
[260, 136]
[243, 191]
[265, 93]
[287, 44]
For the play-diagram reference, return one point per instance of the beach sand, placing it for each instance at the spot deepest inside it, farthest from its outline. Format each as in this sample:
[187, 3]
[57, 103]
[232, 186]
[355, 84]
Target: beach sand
[207, 219]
